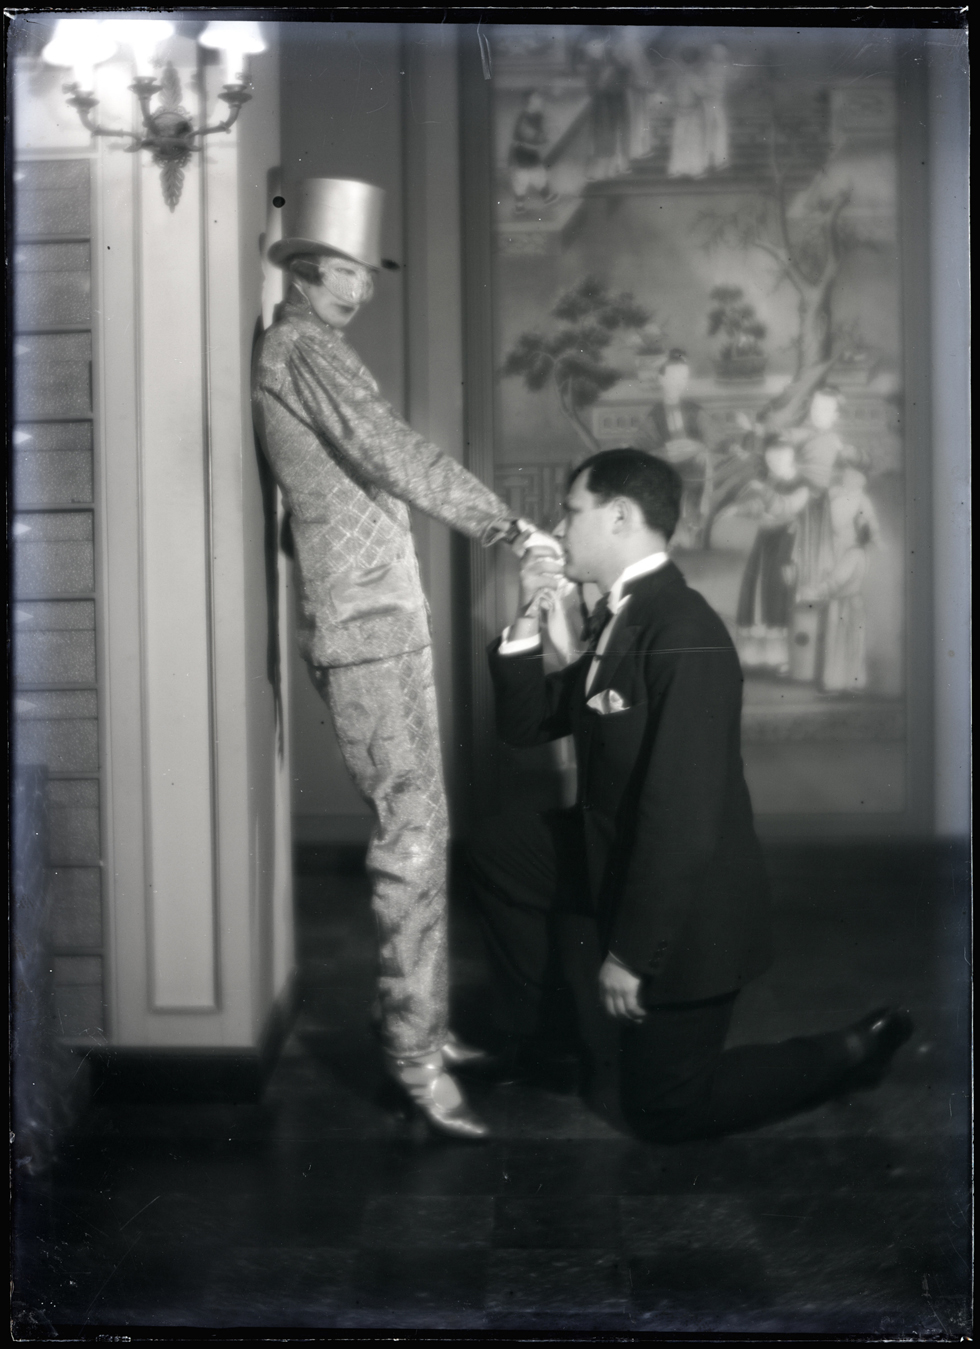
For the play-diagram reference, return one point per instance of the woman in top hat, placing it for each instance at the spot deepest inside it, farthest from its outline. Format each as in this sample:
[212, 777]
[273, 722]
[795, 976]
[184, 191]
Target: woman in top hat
[349, 468]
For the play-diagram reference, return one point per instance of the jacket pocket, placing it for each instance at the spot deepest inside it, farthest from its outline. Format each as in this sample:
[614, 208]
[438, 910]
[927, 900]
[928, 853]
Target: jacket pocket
[388, 588]
[618, 742]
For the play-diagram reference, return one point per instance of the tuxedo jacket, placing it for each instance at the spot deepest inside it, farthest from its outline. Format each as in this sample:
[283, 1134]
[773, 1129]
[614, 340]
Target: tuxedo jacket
[675, 869]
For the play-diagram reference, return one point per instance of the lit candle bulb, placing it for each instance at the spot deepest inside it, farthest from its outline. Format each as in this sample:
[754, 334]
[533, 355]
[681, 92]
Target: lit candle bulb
[143, 37]
[237, 40]
[81, 44]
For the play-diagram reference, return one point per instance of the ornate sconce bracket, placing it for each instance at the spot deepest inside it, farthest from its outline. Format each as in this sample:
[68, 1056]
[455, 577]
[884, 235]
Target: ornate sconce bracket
[170, 134]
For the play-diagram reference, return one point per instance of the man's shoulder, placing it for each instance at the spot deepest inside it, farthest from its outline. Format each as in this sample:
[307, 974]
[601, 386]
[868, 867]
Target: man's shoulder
[675, 614]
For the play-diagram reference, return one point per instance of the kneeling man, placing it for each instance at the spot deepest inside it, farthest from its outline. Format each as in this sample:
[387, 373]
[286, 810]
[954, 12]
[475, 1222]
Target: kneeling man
[650, 898]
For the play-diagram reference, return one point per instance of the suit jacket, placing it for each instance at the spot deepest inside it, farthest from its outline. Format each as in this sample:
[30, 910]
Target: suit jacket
[675, 868]
[349, 468]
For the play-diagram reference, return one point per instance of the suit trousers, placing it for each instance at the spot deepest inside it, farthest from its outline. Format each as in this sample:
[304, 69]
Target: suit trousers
[384, 714]
[675, 1079]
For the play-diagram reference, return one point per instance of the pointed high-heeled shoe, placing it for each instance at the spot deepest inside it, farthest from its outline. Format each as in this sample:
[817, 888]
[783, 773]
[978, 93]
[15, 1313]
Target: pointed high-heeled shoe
[436, 1096]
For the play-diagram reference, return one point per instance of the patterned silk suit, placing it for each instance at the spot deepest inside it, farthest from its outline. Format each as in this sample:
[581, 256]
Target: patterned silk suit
[347, 465]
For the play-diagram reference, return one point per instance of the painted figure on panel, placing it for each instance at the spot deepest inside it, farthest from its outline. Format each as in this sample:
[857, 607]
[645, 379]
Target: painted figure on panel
[767, 592]
[607, 79]
[525, 159]
[855, 529]
[822, 453]
[673, 430]
[689, 157]
[645, 93]
[715, 79]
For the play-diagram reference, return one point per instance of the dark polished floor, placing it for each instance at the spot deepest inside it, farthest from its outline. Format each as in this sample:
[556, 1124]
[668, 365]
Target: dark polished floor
[316, 1208]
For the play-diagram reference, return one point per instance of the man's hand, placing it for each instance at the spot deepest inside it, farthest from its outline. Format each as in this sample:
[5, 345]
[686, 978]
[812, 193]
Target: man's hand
[619, 989]
[541, 571]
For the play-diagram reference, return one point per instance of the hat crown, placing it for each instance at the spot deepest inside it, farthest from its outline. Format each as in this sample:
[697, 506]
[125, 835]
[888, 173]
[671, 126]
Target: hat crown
[332, 213]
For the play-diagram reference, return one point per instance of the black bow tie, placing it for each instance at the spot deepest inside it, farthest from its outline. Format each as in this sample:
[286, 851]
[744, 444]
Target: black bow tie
[595, 622]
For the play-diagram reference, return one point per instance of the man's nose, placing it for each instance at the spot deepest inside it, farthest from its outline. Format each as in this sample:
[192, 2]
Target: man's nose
[559, 529]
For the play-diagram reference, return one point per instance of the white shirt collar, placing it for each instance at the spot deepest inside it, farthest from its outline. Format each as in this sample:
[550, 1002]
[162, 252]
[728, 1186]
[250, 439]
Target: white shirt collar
[646, 564]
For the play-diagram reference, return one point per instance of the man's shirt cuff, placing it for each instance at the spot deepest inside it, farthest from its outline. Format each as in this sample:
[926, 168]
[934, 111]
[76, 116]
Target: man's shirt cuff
[514, 648]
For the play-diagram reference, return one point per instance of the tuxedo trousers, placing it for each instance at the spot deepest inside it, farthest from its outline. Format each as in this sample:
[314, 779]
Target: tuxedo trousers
[676, 1080]
[384, 714]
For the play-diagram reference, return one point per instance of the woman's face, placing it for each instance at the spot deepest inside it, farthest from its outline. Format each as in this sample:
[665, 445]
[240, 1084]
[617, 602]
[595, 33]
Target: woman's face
[781, 462]
[343, 286]
[674, 379]
[823, 411]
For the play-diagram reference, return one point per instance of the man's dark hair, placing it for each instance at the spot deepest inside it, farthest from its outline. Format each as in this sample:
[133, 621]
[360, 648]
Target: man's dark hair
[652, 483]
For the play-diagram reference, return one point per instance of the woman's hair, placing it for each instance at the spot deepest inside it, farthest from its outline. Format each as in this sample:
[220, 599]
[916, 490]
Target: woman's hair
[306, 267]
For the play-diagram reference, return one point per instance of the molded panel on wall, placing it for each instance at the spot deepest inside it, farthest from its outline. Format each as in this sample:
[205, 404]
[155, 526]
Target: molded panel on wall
[176, 619]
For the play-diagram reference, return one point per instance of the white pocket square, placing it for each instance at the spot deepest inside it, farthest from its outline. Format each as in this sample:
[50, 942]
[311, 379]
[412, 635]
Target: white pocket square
[608, 701]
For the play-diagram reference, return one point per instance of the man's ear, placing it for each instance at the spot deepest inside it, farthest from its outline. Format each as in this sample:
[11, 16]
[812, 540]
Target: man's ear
[622, 514]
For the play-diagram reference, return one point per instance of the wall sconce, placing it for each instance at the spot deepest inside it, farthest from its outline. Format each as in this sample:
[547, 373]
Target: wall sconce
[170, 135]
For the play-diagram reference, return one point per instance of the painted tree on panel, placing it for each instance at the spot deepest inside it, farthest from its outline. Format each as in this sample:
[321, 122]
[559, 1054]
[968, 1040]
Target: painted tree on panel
[570, 356]
[802, 223]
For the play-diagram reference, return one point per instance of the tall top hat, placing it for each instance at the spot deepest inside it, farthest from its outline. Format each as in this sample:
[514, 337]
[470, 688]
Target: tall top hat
[325, 215]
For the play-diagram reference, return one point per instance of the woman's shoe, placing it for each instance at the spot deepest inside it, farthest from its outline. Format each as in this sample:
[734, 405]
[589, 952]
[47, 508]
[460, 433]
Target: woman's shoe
[436, 1096]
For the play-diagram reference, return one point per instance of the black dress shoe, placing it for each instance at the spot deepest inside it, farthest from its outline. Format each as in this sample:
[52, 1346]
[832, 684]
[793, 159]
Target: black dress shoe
[872, 1042]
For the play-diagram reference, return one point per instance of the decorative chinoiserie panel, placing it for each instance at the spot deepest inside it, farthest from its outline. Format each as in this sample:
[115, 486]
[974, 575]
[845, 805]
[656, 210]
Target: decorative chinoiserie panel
[869, 413]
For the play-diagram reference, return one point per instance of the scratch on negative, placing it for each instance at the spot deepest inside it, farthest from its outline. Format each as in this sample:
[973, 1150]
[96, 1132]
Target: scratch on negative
[137, 1213]
[113, 1272]
[684, 650]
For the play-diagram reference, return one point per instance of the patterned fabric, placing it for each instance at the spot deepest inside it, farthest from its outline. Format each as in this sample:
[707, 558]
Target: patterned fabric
[347, 466]
[384, 713]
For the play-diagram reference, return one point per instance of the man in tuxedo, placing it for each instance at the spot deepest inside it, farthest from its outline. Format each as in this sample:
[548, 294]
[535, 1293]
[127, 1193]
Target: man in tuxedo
[649, 900]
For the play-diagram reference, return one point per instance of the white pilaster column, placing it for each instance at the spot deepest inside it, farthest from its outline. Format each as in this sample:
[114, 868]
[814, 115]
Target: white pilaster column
[199, 904]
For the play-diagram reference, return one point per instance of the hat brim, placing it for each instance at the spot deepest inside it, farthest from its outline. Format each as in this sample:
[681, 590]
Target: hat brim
[283, 250]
